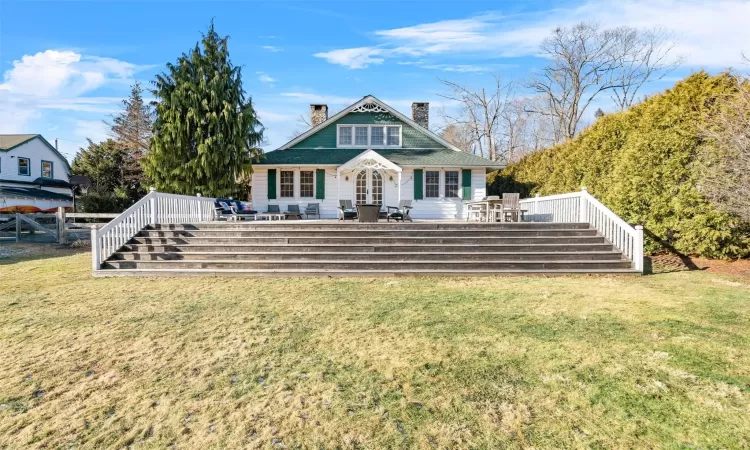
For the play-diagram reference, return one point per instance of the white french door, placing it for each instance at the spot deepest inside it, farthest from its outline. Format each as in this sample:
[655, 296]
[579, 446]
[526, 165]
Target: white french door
[368, 187]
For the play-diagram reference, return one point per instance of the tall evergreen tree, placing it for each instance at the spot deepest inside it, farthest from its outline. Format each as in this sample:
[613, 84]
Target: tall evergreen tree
[132, 130]
[206, 132]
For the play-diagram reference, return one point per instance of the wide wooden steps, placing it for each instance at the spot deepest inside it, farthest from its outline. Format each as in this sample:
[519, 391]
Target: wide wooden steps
[320, 248]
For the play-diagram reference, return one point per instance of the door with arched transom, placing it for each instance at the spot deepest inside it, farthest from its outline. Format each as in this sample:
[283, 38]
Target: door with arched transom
[368, 187]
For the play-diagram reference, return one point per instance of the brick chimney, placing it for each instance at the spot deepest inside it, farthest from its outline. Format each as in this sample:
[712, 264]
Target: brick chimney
[420, 113]
[318, 114]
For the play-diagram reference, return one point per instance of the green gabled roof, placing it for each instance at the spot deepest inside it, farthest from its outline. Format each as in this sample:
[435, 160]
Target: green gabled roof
[400, 156]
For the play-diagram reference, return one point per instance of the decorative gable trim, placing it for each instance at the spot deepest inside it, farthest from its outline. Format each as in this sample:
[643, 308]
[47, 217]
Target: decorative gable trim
[369, 159]
[369, 108]
[364, 105]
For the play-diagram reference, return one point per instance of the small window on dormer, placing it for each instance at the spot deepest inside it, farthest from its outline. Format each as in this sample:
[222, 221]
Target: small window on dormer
[345, 135]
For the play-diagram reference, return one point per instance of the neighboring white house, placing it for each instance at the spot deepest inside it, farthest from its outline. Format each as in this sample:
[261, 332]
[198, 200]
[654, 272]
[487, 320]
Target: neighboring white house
[370, 153]
[33, 175]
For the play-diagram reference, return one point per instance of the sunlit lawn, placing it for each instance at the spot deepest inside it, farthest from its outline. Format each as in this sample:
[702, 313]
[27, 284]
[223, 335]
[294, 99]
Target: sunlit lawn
[632, 362]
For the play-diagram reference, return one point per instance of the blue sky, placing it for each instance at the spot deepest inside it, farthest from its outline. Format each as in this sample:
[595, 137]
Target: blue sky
[66, 65]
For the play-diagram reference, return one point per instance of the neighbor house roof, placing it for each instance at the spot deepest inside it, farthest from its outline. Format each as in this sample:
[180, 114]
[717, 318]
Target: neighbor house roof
[11, 141]
[400, 156]
[39, 194]
[8, 141]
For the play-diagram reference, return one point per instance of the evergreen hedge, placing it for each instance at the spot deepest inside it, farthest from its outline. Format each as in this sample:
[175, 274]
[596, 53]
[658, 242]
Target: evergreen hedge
[644, 164]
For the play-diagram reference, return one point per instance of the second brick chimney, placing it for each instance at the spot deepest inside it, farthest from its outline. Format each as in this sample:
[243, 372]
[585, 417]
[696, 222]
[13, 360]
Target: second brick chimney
[318, 114]
[420, 113]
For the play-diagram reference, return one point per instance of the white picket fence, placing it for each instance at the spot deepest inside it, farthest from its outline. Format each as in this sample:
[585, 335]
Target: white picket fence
[156, 207]
[583, 207]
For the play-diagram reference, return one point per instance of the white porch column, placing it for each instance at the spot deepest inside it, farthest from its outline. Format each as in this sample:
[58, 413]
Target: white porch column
[398, 178]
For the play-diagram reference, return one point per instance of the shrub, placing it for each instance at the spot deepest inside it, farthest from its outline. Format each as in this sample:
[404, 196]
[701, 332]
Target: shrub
[644, 165]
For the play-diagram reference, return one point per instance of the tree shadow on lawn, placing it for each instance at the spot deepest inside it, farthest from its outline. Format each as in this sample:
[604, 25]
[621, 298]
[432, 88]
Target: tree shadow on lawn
[686, 261]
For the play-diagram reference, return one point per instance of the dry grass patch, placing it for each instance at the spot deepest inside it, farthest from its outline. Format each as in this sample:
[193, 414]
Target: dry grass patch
[658, 361]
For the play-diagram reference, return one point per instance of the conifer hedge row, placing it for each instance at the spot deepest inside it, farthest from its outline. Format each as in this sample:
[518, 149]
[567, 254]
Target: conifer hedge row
[644, 164]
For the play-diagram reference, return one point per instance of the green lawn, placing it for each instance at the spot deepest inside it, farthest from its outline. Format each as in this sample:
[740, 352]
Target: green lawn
[633, 362]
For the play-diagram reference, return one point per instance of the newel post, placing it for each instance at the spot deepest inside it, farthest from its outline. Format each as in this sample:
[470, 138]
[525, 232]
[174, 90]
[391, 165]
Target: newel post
[61, 236]
[638, 249]
[200, 208]
[96, 248]
[153, 205]
[583, 213]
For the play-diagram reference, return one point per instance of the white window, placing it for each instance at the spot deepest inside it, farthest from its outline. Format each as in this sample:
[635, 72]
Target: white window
[306, 184]
[394, 135]
[432, 184]
[360, 136]
[287, 183]
[24, 166]
[345, 136]
[451, 183]
[369, 135]
[376, 136]
[47, 169]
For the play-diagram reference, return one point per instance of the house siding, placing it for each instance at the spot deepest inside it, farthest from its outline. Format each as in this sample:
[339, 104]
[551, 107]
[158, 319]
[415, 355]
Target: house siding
[429, 208]
[36, 151]
[326, 138]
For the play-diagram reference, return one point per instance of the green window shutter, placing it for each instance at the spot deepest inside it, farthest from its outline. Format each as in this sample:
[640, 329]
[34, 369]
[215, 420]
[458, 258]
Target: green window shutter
[320, 184]
[418, 179]
[271, 184]
[466, 184]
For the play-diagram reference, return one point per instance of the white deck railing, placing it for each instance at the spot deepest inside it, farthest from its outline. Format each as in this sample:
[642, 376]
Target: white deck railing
[583, 207]
[156, 207]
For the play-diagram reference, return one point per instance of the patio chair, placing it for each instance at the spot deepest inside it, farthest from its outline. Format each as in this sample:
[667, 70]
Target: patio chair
[293, 211]
[400, 212]
[313, 209]
[510, 208]
[223, 210]
[478, 210]
[347, 210]
[240, 211]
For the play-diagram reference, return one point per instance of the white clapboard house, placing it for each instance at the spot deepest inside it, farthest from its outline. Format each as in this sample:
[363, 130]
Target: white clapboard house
[370, 153]
[33, 175]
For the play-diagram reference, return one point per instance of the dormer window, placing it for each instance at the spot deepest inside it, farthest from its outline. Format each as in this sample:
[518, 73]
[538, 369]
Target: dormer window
[368, 136]
[345, 136]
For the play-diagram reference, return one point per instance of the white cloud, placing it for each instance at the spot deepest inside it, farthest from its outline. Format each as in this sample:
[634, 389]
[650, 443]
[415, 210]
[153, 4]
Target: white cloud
[272, 48]
[267, 116]
[354, 58]
[710, 34]
[265, 78]
[53, 72]
[95, 130]
[305, 97]
[59, 80]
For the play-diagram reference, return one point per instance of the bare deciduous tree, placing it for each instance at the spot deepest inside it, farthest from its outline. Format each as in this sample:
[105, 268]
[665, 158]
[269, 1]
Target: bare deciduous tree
[586, 60]
[642, 56]
[726, 178]
[480, 111]
[460, 135]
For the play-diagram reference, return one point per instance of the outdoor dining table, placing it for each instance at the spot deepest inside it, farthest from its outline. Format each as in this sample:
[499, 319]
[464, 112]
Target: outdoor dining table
[489, 206]
[368, 213]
